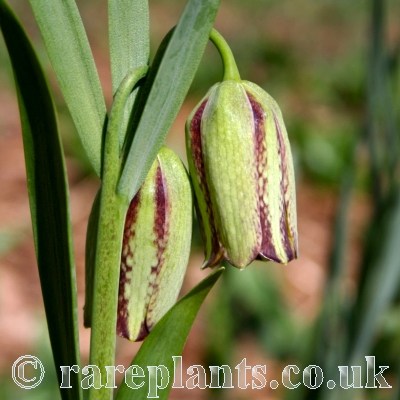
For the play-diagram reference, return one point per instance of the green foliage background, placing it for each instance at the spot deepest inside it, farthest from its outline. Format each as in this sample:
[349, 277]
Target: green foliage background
[333, 66]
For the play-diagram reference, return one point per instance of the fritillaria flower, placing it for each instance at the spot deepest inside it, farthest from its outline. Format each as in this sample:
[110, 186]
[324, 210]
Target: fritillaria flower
[156, 247]
[242, 172]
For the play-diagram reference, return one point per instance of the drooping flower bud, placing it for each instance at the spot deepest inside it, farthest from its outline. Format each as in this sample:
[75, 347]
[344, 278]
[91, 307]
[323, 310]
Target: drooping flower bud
[242, 172]
[156, 246]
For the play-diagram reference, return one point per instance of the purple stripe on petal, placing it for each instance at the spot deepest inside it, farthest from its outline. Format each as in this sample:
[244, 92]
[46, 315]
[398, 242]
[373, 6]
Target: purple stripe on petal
[267, 250]
[129, 233]
[161, 230]
[217, 252]
[160, 218]
[195, 141]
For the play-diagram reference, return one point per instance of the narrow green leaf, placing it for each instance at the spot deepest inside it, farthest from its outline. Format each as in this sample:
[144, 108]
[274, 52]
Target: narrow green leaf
[381, 284]
[327, 344]
[171, 83]
[129, 35]
[48, 196]
[70, 55]
[167, 339]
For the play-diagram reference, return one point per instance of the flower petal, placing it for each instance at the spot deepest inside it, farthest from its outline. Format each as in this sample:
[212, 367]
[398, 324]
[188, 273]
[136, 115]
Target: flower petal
[276, 178]
[214, 253]
[156, 247]
[228, 144]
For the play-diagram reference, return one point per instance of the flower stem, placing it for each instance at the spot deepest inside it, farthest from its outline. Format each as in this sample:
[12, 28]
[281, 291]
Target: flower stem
[231, 71]
[113, 208]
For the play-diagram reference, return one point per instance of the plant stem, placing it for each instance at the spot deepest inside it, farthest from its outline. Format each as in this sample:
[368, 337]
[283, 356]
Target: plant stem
[113, 208]
[105, 295]
[231, 71]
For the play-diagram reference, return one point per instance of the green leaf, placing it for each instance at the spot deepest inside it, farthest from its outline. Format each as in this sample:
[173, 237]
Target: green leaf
[167, 339]
[70, 55]
[128, 22]
[382, 283]
[48, 196]
[171, 84]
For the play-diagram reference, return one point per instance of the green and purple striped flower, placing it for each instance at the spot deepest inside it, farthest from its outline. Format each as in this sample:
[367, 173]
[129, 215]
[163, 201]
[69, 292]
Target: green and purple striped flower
[156, 247]
[242, 172]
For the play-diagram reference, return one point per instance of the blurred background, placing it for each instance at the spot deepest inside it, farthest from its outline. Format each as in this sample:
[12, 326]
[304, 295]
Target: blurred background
[333, 66]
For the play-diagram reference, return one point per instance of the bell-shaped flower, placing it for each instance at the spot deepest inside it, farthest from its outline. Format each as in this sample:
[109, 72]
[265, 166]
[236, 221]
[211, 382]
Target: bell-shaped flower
[242, 172]
[156, 247]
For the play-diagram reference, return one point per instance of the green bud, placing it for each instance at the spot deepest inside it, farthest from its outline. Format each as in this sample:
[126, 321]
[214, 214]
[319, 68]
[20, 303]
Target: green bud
[242, 172]
[156, 246]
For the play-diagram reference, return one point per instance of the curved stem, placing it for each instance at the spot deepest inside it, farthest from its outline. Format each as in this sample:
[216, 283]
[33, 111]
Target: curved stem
[111, 151]
[231, 71]
[113, 208]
